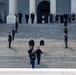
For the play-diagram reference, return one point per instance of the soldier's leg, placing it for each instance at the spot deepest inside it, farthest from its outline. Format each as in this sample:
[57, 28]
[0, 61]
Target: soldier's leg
[66, 45]
[33, 63]
[38, 60]
[9, 44]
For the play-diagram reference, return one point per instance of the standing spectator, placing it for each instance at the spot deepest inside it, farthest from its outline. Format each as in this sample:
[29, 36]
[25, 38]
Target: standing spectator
[32, 17]
[65, 17]
[51, 18]
[42, 42]
[16, 26]
[27, 17]
[31, 43]
[56, 18]
[9, 39]
[13, 33]
[33, 58]
[38, 53]
[20, 17]
[73, 17]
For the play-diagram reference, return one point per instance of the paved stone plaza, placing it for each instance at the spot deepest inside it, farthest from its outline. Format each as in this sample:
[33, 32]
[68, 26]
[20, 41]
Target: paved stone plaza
[55, 55]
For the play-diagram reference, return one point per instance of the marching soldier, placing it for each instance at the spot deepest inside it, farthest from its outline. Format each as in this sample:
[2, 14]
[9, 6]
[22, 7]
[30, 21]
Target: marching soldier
[9, 39]
[38, 54]
[33, 58]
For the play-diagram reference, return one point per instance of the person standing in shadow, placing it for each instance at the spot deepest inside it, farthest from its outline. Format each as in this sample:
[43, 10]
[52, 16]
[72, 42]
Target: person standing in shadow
[32, 17]
[27, 17]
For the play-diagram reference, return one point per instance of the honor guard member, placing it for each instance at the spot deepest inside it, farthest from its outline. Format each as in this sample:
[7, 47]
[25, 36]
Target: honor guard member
[27, 17]
[33, 58]
[65, 30]
[16, 26]
[66, 40]
[65, 23]
[38, 54]
[42, 42]
[9, 39]
[13, 33]
[31, 43]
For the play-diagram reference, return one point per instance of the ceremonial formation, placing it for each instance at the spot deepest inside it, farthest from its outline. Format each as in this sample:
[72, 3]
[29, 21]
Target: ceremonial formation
[37, 34]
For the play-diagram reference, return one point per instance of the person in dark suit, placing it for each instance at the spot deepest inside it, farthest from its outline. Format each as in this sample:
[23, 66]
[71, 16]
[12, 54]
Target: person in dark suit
[33, 58]
[61, 18]
[9, 39]
[20, 17]
[66, 40]
[65, 17]
[16, 26]
[42, 42]
[32, 17]
[57, 18]
[38, 54]
[31, 43]
[51, 18]
[73, 17]
[13, 33]
[27, 17]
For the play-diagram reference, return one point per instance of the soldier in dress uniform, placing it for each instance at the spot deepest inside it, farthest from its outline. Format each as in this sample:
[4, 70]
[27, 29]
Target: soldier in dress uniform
[13, 33]
[66, 40]
[31, 43]
[16, 26]
[9, 39]
[42, 42]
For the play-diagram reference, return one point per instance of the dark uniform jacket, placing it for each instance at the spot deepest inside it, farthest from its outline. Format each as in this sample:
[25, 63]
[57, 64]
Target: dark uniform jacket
[42, 42]
[9, 37]
[31, 43]
[33, 56]
[38, 52]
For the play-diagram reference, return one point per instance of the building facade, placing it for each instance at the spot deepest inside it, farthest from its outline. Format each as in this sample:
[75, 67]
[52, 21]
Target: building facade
[8, 8]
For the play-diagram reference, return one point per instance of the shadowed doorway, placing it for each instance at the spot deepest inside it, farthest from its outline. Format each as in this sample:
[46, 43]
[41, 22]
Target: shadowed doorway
[43, 10]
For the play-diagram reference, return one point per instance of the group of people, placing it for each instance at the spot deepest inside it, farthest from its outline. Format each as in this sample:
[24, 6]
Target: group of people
[60, 17]
[11, 34]
[27, 17]
[35, 54]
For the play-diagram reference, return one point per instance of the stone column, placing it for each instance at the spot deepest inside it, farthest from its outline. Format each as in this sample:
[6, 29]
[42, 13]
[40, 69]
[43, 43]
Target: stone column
[73, 6]
[53, 6]
[12, 10]
[32, 9]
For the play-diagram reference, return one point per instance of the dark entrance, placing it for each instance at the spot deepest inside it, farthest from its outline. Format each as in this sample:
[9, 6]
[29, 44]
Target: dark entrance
[43, 11]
